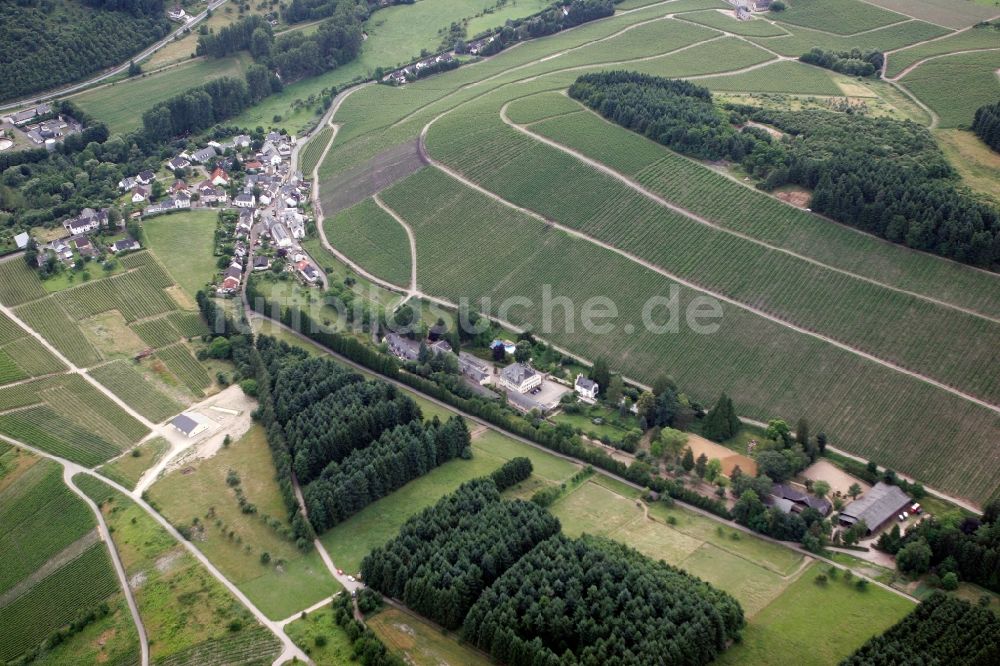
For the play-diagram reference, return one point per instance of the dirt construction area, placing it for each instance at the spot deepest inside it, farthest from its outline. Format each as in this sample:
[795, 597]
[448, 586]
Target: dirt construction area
[357, 184]
[839, 480]
[727, 457]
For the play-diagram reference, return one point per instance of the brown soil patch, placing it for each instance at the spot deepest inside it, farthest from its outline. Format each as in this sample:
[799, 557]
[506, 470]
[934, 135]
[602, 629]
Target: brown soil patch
[358, 183]
[798, 198]
[839, 480]
[727, 457]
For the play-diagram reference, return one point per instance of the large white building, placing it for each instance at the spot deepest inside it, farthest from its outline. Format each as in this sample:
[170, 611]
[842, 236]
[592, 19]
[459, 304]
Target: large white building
[520, 377]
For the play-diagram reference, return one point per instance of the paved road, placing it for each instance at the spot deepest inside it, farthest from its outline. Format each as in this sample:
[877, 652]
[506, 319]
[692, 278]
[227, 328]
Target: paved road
[107, 74]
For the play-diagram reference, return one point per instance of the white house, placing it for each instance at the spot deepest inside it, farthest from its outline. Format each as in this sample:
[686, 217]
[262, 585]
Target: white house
[178, 14]
[21, 240]
[245, 200]
[586, 388]
[280, 236]
[520, 377]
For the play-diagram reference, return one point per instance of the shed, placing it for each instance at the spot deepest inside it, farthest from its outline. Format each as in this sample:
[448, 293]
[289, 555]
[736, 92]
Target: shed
[188, 424]
[876, 507]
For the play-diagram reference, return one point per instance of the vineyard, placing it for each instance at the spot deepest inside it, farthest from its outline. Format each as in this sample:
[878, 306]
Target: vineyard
[790, 77]
[187, 369]
[985, 37]
[128, 384]
[39, 517]
[52, 323]
[314, 149]
[33, 358]
[18, 283]
[774, 371]
[956, 85]
[538, 107]
[158, 332]
[9, 370]
[728, 22]
[844, 17]
[137, 294]
[257, 645]
[42, 427]
[800, 40]
[56, 601]
[908, 331]
[370, 236]
[188, 324]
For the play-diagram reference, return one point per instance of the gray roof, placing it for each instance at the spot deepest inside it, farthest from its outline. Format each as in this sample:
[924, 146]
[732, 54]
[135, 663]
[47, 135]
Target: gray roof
[586, 383]
[788, 492]
[516, 373]
[184, 423]
[782, 504]
[876, 506]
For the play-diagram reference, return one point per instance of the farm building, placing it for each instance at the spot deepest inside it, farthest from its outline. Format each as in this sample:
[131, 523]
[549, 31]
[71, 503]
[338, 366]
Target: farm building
[473, 368]
[876, 507]
[520, 377]
[189, 425]
[796, 500]
[21, 240]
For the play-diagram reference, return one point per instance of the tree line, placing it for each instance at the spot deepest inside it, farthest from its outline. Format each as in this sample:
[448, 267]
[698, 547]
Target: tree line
[881, 175]
[596, 601]
[967, 549]
[400, 455]
[42, 47]
[546, 22]
[446, 555]
[941, 630]
[986, 125]
[853, 63]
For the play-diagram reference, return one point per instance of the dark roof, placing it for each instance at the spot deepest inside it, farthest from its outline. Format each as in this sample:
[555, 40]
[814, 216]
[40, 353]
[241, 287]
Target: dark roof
[876, 506]
[788, 492]
[184, 423]
[821, 504]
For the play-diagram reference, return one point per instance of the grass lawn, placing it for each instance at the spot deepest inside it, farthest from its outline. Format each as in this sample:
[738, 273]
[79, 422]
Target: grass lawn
[595, 510]
[72, 278]
[200, 491]
[421, 644]
[336, 648]
[184, 242]
[816, 624]
[122, 104]
[614, 426]
[128, 468]
[752, 585]
[976, 163]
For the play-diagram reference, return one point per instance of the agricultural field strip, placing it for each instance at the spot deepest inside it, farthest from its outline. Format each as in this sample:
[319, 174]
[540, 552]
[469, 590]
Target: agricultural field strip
[897, 79]
[927, 47]
[653, 267]
[409, 236]
[656, 198]
[70, 469]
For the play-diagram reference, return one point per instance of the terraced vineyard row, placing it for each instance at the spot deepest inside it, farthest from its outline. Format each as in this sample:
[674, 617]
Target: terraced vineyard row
[897, 327]
[314, 149]
[188, 324]
[748, 211]
[129, 385]
[781, 77]
[370, 236]
[955, 86]
[38, 521]
[891, 37]
[47, 430]
[56, 600]
[33, 358]
[157, 332]
[247, 646]
[844, 17]
[868, 409]
[976, 38]
[9, 370]
[82, 403]
[18, 283]
[137, 294]
[9, 330]
[186, 367]
[48, 319]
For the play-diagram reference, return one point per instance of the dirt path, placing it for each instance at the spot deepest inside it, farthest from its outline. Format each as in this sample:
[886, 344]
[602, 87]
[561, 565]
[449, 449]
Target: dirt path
[635, 185]
[691, 285]
[349, 585]
[413, 243]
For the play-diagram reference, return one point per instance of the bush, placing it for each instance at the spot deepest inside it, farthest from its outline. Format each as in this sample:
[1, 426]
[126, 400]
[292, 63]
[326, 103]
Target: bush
[949, 581]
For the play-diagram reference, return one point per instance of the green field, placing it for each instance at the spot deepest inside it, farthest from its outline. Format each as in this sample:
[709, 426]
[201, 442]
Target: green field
[183, 242]
[201, 492]
[844, 17]
[336, 648]
[112, 639]
[121, 105]
[420, 643]
[781, 77]
[128, 384]
[816, 624]
[955, 86]
[182, 606]
[371, 237]
[127, 469]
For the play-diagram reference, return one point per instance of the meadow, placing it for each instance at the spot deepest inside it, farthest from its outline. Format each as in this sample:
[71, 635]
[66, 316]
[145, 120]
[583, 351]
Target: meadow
[900, 328]
[127, 469]
[120, 105]
[183, 243]
[955, 86]
[129, 385]
[182, 606]
[421, 644]
[844, 17]
[371, 237]
[894, 407]
[235, 541]
[975, 162]
[812, 623]
[976, 38]
[333, 648]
